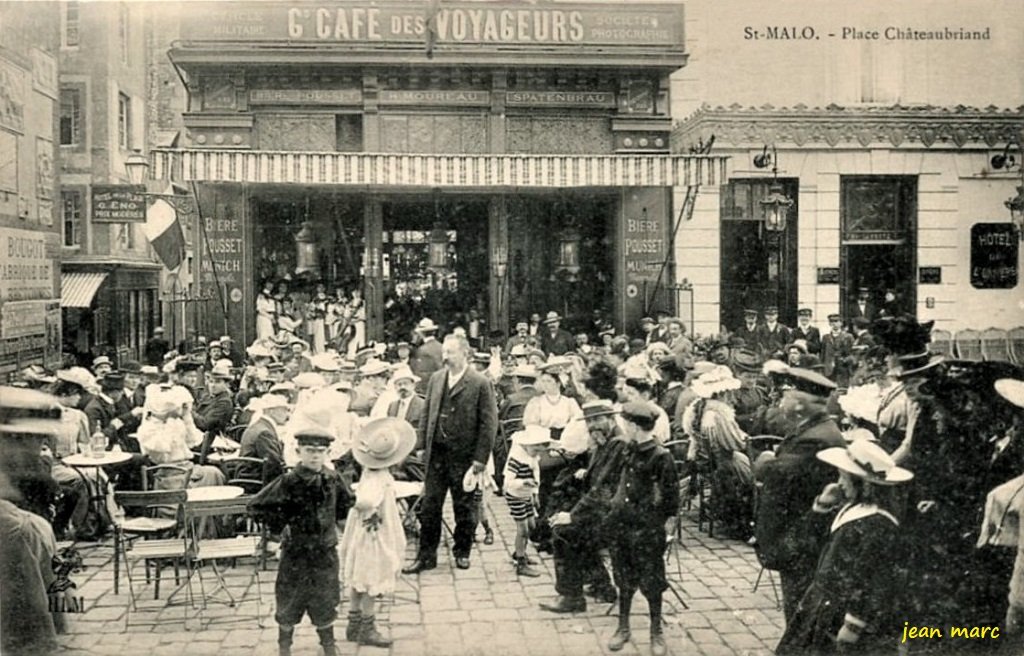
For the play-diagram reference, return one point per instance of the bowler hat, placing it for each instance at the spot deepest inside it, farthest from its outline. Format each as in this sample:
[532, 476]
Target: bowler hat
[101, 361]
[384, 442]
[113, 380]
[131, 367]
[598, 408]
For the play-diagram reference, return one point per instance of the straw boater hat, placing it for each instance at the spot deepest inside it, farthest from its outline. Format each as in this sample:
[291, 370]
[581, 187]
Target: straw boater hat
[308, 380]
[866, 460]
[384, 442]
[221, 370]
[527, 371]
[426, 325]
[258, 350]
[1012, 390]
[325, 362]
[374, 368]
[404, 372]
[532, 435]
[552, 317]
[598, 408]
[719, 379]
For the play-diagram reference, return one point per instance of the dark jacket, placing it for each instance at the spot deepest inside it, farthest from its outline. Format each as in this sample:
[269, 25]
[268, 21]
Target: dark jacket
[752, 338]
[789, 533]
[870, 312]
[310, 504]
[155, 350]
[560, 343]
[648, 490]
[835, 349]
[601, 481]
[427, 359]
[260, 440]
[473, 423]
[212, 415]
[774, 340]
[415, 412]
[812, 337]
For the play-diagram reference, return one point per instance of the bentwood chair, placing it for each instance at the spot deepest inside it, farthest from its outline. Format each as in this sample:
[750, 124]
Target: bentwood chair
[968, 345]
[942, 343]
[1015, 338]
[995, 345]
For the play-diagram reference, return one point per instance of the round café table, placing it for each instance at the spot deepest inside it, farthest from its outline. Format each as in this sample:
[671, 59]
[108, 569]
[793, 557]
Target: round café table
[214, 493]
[81, 462]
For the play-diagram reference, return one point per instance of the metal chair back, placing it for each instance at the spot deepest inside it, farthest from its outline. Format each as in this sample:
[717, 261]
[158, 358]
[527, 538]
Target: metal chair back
[150, 475]
[1015, 339]
[968, 345]
[995, 345]
[942, 343]
[246, 472]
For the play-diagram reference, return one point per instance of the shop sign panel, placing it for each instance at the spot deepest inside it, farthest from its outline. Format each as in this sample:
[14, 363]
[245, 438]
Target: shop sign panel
[305, 97]
[994, 255]
[562, 24]
[26, 271]
[561, 98]
[118, 204]
[22, 318]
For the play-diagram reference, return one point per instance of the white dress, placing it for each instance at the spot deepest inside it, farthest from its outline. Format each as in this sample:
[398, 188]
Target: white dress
[371, 560]
[266, 308]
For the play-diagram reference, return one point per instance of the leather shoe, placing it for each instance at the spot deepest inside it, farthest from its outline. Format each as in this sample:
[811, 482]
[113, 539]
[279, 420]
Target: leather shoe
[658, 645]
[566, 605]
[619, 640]
[419, 565]
[462, 562]
[608, 594]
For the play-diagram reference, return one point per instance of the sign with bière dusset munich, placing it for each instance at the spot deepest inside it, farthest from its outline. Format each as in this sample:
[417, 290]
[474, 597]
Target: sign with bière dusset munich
[630, 25]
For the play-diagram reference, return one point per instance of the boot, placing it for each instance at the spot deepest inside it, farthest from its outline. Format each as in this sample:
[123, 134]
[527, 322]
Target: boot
[523, 568]
[284, 640]
[369, 636]
[326, 635]
[658, 644]
[619, 640]
[488, 535]
[515, 559]
[355, 618]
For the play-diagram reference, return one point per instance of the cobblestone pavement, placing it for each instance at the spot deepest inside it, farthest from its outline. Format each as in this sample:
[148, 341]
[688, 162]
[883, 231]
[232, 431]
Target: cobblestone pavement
[483, 610]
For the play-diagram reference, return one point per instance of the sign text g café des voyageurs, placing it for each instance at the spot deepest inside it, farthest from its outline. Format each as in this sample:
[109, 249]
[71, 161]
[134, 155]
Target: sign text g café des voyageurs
[536, 134]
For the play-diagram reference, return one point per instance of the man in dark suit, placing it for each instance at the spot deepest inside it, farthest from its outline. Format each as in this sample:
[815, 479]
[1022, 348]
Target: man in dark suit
[836, 349]
[775, 336]
[863, 306]
[750, 331]
[428, 357]
[156, 347]
[522, 336]
[553, 339]
[260, 439]
[456, 434]
[805, 331]
[212, 413]
[407, 406]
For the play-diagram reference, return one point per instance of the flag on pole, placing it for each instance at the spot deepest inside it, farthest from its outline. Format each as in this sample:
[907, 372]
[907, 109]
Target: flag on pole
[164, 232]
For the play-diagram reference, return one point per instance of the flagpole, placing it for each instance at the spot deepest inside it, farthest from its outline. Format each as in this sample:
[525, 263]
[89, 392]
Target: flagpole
[209, 253]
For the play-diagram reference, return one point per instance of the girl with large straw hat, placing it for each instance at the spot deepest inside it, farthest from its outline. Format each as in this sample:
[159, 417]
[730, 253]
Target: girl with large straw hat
[373, 545]
[852, 604]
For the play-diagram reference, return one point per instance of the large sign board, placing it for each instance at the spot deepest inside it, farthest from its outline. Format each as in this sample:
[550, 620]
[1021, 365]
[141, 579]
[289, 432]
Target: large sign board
[563, 24]
[118, 204]
[994, 255]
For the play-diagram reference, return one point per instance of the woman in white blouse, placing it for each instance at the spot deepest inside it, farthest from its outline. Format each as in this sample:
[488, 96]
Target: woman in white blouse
[551, 409]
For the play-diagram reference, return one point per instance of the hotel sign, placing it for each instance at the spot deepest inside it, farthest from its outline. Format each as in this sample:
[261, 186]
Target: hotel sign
[305, 97]
[559, 24]
[435, 96]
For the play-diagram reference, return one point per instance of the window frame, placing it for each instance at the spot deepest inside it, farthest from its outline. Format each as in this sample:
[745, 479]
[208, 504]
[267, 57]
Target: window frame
[78, 124]
[124, 121]
[65, 23]
[79, 223]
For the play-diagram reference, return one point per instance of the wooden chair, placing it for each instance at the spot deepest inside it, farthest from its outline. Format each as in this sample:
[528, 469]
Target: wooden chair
[995, 345]
[1015, 339]
[149, 551]
[213, 552]
[248, 473]
[942, 343]
[150, 475]
[756, 445]
[968, 345]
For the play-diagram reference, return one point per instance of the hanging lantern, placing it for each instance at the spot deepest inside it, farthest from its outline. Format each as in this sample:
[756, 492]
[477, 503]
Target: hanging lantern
[569, 253]
[437, 243]
[775, 206]
[306, 259]
[1016, 207]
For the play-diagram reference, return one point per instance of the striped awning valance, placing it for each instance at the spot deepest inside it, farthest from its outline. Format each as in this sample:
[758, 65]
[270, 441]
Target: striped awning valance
[399, 170]
[77, 289]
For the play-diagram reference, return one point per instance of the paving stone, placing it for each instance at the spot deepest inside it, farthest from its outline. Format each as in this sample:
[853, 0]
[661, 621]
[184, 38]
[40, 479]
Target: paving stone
[704, 635]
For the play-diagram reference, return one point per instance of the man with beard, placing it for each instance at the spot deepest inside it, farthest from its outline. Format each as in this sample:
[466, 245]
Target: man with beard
[789, 533]
[261, 440]
[407, 406]
[521, 336]
[577, 532]
[554, 340]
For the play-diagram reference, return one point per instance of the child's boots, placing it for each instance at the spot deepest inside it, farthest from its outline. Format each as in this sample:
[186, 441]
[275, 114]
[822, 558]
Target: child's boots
[355, 625]
[523, 567]
[326, 636]
[284, 640]
[369, 635]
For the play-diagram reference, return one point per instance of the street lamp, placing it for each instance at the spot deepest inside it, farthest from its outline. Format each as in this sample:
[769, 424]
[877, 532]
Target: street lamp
[569, 252]
[775, 206]
[1015, 204]
[137, 167]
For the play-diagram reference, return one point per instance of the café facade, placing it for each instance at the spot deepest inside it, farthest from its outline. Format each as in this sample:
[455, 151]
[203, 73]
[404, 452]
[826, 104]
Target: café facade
[504, 157]
[910, 200]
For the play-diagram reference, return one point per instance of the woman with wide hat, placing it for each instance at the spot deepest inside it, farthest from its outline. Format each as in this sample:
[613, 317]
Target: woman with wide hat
[852, 604]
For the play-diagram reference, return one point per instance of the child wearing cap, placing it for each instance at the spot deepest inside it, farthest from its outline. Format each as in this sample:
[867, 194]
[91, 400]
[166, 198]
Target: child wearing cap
[374, 542]
[309, 501]
[851, 604]
[521, 478]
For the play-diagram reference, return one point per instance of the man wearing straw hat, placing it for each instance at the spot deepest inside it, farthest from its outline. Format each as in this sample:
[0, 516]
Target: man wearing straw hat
[260, 438]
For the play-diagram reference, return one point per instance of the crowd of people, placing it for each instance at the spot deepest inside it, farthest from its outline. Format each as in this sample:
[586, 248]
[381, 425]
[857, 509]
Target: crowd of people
[874, 477]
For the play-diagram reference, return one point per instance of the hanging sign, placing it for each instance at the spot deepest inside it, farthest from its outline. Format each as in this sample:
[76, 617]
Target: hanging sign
[994, 255]
[118, 204]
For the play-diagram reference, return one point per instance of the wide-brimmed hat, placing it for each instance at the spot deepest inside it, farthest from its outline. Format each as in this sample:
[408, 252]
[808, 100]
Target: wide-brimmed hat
[325, 362]
[525, 371]
[384, 442]
[719, 379]
[1012, 390]
[150, 371]
[221, 370]
[532, 434]
[258, 350]
[404, 372]
[746, 361]
[374, 368]
[775, 367]
[918, 363]
[866, 460]
[552, 317]
[810, 382]
[598, 408]
[36, 374]
[426, 325]
[309, 380]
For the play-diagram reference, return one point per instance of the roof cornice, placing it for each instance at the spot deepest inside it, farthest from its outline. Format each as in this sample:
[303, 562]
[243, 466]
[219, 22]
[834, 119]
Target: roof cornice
[894, 126]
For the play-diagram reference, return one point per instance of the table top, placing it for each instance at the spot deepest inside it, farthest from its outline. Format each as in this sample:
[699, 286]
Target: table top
[214, 493]
[404, 489]
[108, 458]
[217, 457]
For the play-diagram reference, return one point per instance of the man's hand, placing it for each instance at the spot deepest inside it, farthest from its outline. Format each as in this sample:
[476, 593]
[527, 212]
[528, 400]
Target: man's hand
[478, 467]
[137, 412]
[560, 519]
[580, 474]
[847, 635]
[116, 424]
[372, 523]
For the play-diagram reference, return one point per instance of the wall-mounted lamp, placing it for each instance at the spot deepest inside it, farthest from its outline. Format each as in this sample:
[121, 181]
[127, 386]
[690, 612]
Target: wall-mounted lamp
[1006, 160]
[776, 204]
[137, 167]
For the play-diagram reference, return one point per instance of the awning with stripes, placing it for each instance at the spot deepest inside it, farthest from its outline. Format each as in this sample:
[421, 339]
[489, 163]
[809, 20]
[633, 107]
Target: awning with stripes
[432, 171]
[77, 289]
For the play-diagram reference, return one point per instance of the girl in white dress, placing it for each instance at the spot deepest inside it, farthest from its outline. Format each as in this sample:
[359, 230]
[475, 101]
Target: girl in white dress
[266, 313]
[373, 546]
